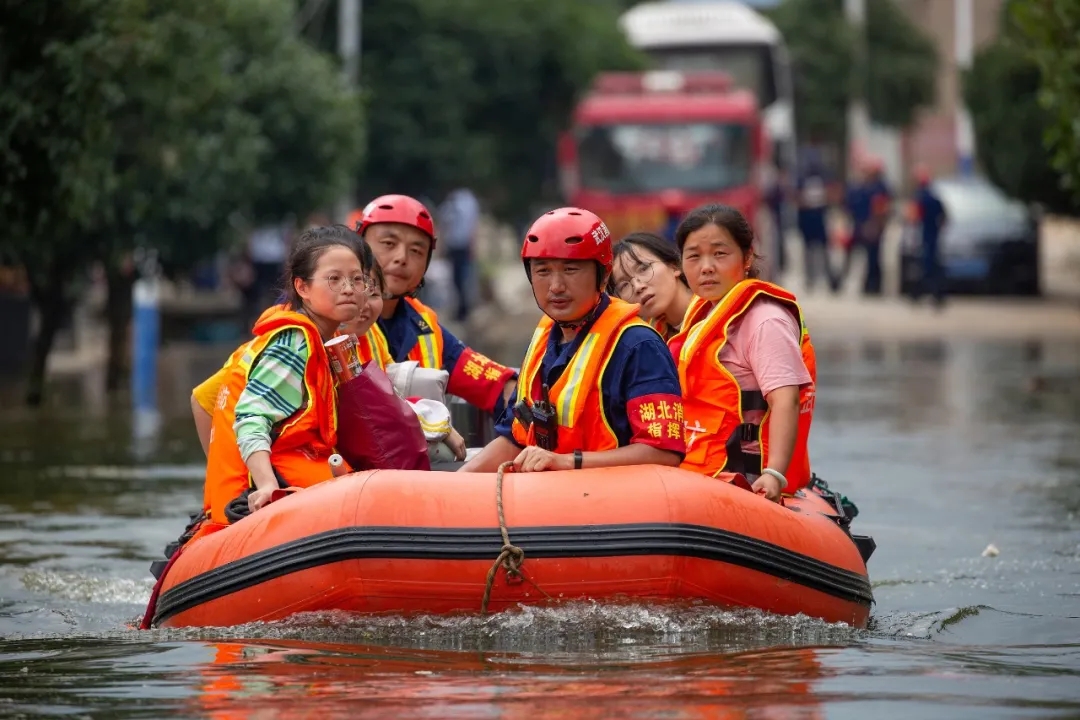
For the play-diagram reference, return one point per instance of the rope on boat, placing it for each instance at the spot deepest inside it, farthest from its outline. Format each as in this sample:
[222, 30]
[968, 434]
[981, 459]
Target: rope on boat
[511, 556]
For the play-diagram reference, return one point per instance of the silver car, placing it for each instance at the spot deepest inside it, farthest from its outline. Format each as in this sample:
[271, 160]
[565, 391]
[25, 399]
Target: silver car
[990, 243]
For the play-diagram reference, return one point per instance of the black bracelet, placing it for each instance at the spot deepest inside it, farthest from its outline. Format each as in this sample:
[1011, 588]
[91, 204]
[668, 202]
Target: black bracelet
[577, 459]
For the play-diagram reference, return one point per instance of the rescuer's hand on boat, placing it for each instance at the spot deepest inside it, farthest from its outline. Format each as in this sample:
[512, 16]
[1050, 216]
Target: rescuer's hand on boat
[456, 443]
[534, 459]
[259, 498]
[768, 486]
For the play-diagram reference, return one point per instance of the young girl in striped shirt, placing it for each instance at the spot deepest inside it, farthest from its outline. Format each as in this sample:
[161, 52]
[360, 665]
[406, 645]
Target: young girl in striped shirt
[275, 417]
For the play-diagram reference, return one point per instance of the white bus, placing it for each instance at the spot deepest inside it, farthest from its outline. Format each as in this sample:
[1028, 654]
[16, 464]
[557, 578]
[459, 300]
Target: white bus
[723, 35]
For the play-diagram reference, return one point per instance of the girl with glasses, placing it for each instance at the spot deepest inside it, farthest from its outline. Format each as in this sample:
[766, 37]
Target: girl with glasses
[275, 418]
[647, 271]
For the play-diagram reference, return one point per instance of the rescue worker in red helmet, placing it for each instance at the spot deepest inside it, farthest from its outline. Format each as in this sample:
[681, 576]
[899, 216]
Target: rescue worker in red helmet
[401, 234]
[598, 386]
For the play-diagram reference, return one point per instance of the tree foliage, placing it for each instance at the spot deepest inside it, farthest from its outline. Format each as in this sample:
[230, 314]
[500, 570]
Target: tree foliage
[476, 92]
[1001, 92]
[896, 78]
[821, 46]
[135, 122]
[901, 65]
[59, 66]
[1049, 29]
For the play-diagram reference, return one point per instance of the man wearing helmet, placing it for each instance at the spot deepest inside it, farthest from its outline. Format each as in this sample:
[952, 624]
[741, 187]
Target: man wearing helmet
[598, 386]
[401, 234]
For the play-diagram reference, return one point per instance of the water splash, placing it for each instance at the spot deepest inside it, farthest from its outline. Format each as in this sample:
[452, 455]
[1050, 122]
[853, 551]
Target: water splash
[571, 628]
[88, 588]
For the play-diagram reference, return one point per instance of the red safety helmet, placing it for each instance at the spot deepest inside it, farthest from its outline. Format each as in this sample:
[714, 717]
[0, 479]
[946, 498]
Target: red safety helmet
[922, 175]
[569, 233]
[398, 209]
[673, 201]
[873, 164]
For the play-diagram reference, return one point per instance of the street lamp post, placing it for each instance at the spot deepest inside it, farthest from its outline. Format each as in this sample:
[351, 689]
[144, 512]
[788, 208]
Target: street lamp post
[964, 42]
[349, 40]
[858, 118]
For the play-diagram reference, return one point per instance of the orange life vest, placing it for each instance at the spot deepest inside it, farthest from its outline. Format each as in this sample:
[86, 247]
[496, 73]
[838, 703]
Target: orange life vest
[302, 444]
[663, 327]
[576, 395]
[373, 346]
[713, 403]
[428, 350]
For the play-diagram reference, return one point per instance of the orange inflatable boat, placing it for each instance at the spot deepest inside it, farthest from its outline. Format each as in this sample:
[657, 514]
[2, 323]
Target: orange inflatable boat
[398, 542]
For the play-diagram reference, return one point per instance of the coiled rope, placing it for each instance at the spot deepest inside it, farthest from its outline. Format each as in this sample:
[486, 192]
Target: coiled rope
[511, 556]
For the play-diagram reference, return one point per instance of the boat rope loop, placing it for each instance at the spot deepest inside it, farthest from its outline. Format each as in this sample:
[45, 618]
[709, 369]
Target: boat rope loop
[511, 556]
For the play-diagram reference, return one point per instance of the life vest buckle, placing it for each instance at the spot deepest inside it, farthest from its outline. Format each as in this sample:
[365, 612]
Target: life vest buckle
[749, 432]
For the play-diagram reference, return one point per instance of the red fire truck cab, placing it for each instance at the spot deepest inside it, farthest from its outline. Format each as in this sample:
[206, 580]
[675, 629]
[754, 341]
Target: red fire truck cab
[645, 148]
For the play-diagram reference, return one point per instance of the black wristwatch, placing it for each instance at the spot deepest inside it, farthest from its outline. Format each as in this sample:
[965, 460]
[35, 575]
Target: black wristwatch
[577, 459]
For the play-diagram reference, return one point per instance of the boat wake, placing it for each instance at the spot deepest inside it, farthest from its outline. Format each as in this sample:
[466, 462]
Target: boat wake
[576, 627]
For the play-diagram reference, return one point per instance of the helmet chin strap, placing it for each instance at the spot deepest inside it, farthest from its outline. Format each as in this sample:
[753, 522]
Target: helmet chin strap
[576, 325]
[412, 293]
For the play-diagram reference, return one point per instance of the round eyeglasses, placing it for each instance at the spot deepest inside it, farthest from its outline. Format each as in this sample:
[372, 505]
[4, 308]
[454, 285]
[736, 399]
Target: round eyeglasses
[643, 273]
[360, 283]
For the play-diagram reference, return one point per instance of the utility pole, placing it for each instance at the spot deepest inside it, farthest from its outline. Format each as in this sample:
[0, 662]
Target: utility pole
[858, 118]
[349, 39]
[964, 41]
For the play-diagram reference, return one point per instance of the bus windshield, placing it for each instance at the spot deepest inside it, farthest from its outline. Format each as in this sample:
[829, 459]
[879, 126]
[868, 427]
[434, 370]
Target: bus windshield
[750, 66]
[645, 158]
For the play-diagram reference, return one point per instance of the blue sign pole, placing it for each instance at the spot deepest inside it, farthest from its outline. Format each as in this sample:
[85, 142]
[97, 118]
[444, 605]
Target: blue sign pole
[963, 38]
[145, 337]
[145, 345]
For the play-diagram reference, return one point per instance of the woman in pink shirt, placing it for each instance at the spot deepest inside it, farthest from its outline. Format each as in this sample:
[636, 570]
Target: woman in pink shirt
[745, 360]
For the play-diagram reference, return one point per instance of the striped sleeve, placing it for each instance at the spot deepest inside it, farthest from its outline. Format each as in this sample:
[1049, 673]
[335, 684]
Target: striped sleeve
[274, 391]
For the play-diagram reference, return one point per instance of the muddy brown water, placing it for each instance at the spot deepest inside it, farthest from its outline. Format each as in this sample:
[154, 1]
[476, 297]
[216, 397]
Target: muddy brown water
[947, 447]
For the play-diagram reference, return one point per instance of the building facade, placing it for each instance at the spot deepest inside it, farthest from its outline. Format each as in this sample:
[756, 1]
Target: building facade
[934, 138]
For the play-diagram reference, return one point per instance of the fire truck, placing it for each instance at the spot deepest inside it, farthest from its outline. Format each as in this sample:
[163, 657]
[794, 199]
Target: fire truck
[645, 148]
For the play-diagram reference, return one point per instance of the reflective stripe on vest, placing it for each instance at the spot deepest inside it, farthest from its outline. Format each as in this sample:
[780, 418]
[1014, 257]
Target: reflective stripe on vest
[577, 395]
[373, 346]
[714, 405]
[428, 350]
[663, 327]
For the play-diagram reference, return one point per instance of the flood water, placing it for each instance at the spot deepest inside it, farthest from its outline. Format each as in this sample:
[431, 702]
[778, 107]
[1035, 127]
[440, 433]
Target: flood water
[946, 447]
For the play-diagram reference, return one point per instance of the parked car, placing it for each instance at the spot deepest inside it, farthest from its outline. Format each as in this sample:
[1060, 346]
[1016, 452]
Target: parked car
[990, 244]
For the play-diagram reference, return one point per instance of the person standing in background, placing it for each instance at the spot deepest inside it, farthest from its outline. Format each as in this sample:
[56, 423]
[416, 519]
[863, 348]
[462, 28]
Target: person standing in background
[775, 194]
[868, 202]
[879, 198]
[673, 203]
[267, 248]
[857, 206]
[929, 217]
[459, 217]
[813, 200]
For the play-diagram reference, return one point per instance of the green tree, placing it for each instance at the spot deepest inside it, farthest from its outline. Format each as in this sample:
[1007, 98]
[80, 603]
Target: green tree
[896, 79]
[1050, 29]
[59, 65]
[476, 92]
[821, 46]
[150, 124]
[1001, 91]
[901, 66]
[253, 122]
